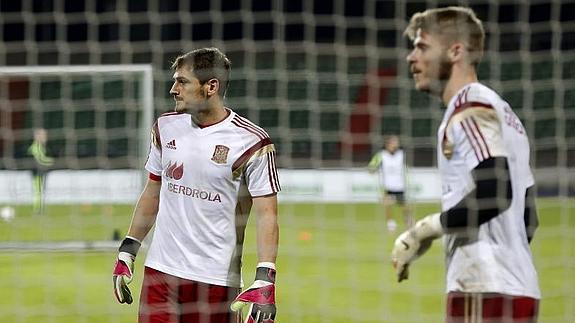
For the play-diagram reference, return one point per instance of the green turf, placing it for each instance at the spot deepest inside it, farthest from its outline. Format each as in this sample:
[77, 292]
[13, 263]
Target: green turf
[333, 267]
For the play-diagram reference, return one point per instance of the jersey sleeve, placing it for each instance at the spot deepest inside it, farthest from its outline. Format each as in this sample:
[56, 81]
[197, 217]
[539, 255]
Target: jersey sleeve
[374, 162]
[260, 169]
[476, 135]
[154, 161]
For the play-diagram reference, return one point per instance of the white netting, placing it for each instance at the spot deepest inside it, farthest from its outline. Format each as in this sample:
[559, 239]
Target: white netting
[327, 80]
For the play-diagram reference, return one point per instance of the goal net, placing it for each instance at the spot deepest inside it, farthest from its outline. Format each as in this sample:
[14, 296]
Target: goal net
[96, 121]
[329, 82]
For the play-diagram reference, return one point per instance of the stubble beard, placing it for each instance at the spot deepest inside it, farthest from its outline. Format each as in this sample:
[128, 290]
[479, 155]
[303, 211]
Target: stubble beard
[180, 108]
[443, 75]
[192, 108]
[437, 85]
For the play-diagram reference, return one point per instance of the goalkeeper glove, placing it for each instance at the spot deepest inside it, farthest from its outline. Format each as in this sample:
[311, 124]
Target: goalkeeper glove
[414, 242]
[260, 296]
[124, 269]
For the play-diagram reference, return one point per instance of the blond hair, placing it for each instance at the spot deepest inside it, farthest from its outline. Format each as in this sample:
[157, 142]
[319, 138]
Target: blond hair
[451, 24]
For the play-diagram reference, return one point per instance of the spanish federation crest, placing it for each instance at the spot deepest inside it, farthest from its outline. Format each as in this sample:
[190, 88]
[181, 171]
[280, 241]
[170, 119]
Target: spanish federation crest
[220, 154]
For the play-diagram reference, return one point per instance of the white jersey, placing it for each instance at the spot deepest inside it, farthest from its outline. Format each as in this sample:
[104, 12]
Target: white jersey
[391, 169]
[209, 176]
[477, 125]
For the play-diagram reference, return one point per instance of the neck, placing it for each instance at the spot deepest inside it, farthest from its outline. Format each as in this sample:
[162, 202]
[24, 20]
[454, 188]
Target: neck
[460, 77]
[210, 116]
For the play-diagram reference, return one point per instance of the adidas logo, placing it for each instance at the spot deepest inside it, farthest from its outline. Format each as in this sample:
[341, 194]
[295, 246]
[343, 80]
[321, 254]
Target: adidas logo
[171, 144]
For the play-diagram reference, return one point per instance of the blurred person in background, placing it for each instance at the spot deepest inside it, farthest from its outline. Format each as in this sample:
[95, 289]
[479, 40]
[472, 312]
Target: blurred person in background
[207, 167]
[488, 216]
[42, 164]
[389, 163]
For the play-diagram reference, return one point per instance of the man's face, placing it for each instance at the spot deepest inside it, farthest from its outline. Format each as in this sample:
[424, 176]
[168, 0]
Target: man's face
[40, 136]
[187, 91]
[392, 144]
[429, 64]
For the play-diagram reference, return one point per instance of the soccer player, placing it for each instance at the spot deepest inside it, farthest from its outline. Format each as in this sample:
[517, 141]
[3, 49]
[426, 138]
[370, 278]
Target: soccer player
[207, 167]
[488, 214]
[390, 164]
[42, 162]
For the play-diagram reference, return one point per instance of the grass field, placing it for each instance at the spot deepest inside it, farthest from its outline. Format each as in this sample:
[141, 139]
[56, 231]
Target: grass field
[333, 266]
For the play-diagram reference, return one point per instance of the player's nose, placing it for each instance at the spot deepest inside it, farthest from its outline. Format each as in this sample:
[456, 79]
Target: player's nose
[173, 90]
[410, 58]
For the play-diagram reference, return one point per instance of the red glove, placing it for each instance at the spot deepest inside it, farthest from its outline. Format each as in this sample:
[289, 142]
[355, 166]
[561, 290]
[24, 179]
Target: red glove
[124, 269]
[260, 296]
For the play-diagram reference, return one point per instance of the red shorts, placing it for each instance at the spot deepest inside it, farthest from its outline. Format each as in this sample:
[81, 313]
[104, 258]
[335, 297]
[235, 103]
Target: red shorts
[168, 299]
[490, 308]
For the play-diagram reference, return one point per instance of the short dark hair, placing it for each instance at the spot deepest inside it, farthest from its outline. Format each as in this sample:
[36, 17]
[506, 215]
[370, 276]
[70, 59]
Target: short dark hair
[452, 24]
[207, 63]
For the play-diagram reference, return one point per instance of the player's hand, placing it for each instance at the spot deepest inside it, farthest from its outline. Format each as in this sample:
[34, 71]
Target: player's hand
[124, 269]
[406, 249]
[123, 274]
[260, 297]
[413, 243]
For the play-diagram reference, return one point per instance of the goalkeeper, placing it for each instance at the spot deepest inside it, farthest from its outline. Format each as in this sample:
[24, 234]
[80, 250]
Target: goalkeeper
[42, 162]
[207, 167]
[488, 215]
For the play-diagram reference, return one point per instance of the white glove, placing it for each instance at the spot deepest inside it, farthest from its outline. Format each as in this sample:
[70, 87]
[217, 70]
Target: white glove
[415, 242]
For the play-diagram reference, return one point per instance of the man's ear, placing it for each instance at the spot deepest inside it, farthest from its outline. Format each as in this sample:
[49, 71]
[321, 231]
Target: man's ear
[456, 52]
[212, 87]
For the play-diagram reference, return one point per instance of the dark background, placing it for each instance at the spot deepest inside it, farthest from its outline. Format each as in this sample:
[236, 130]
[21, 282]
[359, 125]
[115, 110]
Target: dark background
[301, 69]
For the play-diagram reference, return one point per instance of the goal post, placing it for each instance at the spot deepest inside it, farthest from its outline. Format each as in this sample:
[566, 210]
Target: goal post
[96, 116]
[142, 71]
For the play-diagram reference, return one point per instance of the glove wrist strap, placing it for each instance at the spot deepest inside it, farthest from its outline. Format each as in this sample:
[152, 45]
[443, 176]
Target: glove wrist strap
[266, 274]
[267, 264]
[429, 227]
[130, 245]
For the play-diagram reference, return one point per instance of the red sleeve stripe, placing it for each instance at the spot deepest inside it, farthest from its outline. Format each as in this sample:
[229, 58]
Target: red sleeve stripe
[470, 139]
[272, 172]
[156, 134]
[472, 104]
[481, 139]
[154, 177]
[276, 176]
[276, 172]
[248, 153]
[253, 125]
[476, 139]
[249, 126]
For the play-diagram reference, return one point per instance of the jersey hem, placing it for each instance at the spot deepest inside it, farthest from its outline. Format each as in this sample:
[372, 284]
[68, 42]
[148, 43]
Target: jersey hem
[511, 292]
[262, 193]
[188, 276]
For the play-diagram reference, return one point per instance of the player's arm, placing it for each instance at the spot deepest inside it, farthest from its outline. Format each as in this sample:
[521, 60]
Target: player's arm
[38, 151]
[143, 219]
[374, 163]
[261, 176]
[146, 209]
[261, 294]
[491, 196]
[267, 227]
